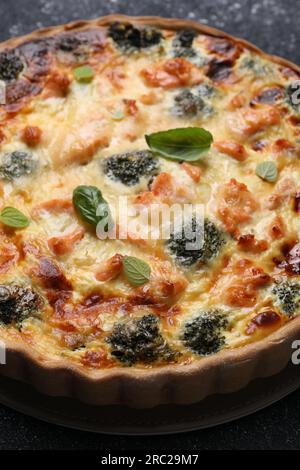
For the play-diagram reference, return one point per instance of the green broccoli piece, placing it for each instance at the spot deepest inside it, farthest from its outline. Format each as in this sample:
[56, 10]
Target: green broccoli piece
[139, 341]
[16, 164]
[128, 37]
[129, 167]
[204, 334]
[69, 43]
[193, 102]
[10, 66]
[17, 303]
[182, 44]
[287, 295]
[210, 238]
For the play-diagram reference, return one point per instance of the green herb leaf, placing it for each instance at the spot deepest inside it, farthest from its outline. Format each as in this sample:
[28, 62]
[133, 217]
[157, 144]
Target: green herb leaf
[89, 203]
[13, 218]
[84, 73]
[136, 270]
[187, 143]
[267, 171]
[118, 116]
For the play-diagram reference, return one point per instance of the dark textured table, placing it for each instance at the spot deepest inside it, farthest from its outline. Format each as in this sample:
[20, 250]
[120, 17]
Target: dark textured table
[272, 25]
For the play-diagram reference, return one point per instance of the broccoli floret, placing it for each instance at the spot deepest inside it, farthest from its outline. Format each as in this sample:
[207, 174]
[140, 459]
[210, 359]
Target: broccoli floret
[182, 44]
[184, 38]
[68, 43]
[205, 90]
[10, 66]
[188, 104]
[206, 235]
[16, 164]
[287, 295]
[204, 334]
[293, 96]
[193, 102]
[128, 37]
[130, 167]
[139, 341]
[17, 303]
[256, 66]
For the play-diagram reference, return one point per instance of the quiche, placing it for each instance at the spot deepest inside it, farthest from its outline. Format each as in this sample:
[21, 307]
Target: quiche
[157, 112]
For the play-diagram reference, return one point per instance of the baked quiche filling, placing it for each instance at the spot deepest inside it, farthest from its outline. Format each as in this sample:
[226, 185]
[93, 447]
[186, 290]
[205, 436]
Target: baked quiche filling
[72, 128]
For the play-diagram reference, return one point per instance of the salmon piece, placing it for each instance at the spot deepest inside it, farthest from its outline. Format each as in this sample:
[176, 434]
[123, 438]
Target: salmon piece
[285, 147]
[110, 269]
[238, 101]
[51, 276]
[163, 185]
[31, 135]
[193, 171]
[238, 283]
[172, 73]
[236, 205]
[223, 47]
[285, 189]
[151, 98]
[266, 320]
[169, 191]
[246, 122]
[165, 284]
[232, 148]
[249, 243]
[116, 77]
[277, 228]
[81, 143]
[2, 136]
[131, 107]
[268, 95]
[57, 85]
[9, 254]
[166, 190]
[130, 236]
[53, 205]
[96, 359]
[76, 142]
[145, 198]
[64, 244]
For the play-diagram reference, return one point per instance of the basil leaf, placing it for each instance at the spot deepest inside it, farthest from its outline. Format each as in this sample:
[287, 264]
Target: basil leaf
[13, 218]
[87, 200]
[187, 143]
[136, 270]
[267, 171]
[84, 73]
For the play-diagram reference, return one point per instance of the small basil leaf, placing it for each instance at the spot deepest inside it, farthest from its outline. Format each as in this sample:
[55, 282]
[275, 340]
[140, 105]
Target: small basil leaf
[187, 143]
[13, 218]
[87, 200]
[136, 270]
[267, 171]
[84, 73]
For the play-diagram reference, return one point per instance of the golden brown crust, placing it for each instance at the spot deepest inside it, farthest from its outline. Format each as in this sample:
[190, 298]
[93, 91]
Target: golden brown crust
[226, 371]
[168, 23]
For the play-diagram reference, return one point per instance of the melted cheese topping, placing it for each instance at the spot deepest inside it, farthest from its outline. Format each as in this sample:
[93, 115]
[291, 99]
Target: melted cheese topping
[133, 94]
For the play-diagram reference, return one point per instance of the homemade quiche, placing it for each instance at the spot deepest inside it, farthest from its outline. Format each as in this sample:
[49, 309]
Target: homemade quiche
[129, 319]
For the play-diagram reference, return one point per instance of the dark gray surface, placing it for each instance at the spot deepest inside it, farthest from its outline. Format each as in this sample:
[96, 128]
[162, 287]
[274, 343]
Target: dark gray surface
[272, 25]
